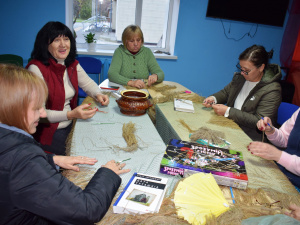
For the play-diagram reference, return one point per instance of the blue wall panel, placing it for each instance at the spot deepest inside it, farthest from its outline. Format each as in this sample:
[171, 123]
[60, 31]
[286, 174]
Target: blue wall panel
[21, 20]
[206, 57]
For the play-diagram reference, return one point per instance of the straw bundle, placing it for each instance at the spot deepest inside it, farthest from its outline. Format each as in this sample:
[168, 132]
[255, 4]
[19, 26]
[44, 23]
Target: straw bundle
[223, 121]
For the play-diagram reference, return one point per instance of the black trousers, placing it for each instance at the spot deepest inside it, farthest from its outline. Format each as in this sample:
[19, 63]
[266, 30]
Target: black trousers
[58, 145]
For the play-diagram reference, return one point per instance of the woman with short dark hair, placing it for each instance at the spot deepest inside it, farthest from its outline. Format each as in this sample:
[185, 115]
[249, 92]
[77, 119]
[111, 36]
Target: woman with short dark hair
[53, 59]
[254, 92]
[32, 190]
[132, 63]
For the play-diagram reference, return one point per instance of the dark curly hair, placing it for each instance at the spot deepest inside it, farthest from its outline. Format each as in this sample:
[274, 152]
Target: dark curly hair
[46, 35]
[257, 55]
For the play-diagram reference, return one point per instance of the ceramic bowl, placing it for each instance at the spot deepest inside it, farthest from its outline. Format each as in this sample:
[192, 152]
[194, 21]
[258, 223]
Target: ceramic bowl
[134, 102]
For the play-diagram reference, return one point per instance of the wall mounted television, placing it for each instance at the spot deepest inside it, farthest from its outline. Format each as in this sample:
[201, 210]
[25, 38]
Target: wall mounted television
[268, 12]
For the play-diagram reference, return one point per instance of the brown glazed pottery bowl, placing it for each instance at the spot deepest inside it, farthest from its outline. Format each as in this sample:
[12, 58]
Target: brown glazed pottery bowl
[134, 102]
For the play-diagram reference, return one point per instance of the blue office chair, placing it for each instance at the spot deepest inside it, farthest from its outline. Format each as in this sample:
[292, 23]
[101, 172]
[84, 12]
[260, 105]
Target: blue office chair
[285, 111]
[92, 67]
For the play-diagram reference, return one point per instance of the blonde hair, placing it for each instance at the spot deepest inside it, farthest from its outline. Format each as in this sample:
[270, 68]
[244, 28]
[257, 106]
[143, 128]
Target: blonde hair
[18, 87]
[129, 31]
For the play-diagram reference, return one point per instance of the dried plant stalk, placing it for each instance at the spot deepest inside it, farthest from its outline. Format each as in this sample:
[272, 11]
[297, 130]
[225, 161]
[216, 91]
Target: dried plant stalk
[183, 123]
[128, 134]
[223, 121]
[212, 136]
[162, 88]
[69, 139]
[256, 202]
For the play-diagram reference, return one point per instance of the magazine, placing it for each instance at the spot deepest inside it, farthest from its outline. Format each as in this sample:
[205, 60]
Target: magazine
[186, 158]
[143, 194]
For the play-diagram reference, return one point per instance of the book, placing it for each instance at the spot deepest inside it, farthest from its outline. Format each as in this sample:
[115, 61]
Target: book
[143, 194]
[109, 86]
[183, 105]
[186, 158]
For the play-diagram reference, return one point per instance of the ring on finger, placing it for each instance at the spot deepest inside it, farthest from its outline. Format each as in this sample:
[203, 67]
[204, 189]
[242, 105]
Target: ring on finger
[120, 168]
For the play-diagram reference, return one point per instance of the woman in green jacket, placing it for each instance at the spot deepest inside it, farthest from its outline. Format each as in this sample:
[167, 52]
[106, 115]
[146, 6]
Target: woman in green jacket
[254, 92]
[132, 63]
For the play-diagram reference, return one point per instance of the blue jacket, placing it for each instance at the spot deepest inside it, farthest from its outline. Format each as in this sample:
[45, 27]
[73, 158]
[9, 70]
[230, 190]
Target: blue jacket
[32, 191]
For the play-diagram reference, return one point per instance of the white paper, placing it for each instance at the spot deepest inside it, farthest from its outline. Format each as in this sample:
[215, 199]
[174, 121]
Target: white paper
[183, 105]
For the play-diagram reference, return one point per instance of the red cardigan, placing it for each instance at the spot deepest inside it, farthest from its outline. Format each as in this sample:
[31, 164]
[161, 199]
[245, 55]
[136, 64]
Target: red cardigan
[53, 75]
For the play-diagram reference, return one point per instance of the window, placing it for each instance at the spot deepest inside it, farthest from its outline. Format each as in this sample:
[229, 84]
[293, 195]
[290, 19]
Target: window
[108, 18]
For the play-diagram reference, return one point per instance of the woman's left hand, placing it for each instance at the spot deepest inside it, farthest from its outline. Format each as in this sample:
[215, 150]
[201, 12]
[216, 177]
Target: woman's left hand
[219, 109]
[116, 167]
[68, 162]
[103, 99]
[264, 150]
[295, 211]
[152, 79]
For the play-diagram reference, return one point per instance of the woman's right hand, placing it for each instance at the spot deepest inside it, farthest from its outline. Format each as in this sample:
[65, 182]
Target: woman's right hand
[265, 125]
[116, 167]
[208, 102]
[82, 112]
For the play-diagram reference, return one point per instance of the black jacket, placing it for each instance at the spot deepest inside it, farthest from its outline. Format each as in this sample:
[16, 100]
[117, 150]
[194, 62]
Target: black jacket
[32, 191]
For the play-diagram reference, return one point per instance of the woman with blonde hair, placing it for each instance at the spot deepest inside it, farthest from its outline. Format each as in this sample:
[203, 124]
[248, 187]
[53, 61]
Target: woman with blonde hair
[32, 190]
[132, 63]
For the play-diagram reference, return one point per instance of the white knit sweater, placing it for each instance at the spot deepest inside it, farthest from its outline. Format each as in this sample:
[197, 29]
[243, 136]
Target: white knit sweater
[84, 81]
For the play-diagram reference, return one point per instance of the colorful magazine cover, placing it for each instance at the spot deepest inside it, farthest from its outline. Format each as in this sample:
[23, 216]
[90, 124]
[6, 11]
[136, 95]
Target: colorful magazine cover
[186, 158]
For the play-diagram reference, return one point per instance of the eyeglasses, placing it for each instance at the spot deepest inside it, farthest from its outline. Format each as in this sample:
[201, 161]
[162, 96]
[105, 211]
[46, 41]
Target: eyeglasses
[241, 70]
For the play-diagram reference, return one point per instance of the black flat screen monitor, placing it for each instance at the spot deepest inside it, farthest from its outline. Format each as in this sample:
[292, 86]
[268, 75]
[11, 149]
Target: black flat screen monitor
[268, 12]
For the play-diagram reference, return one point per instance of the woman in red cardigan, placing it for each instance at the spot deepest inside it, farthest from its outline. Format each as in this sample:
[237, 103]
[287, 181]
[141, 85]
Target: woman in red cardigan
[53, 59]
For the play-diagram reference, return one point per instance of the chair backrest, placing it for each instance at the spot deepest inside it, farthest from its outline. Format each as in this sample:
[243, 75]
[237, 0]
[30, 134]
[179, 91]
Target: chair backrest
[11, 59]
[92, 67]
[106, 65]
[285, 111]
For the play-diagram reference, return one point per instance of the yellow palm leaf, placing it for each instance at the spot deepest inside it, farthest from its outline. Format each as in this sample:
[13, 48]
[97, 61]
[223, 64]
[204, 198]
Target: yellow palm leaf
[199, 197]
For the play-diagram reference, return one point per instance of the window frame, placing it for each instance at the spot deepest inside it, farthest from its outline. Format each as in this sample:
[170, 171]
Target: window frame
[108, 50]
